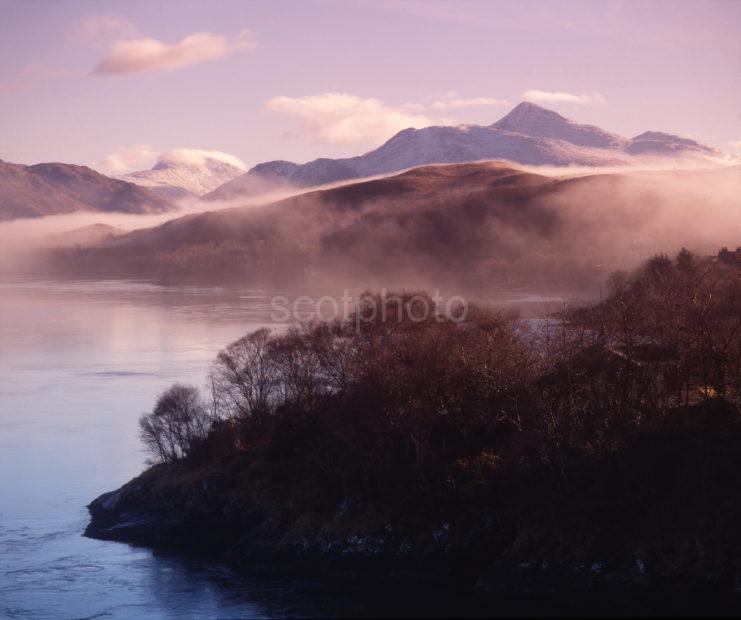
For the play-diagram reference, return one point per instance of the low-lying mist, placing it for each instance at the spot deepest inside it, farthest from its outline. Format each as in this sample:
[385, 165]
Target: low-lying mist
[21, 235]
[467, 226]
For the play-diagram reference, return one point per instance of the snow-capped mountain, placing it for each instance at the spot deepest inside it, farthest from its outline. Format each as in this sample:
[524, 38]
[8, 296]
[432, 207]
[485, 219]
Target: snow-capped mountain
[661, 144]
[532, 120]
[529, 135]
[184, 173]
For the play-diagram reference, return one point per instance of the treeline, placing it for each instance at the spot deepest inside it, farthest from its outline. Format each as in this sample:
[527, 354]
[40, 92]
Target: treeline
[223, 262]
[374, 407]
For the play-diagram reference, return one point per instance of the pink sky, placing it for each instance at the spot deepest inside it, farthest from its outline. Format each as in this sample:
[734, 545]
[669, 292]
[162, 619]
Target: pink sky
[116, 83]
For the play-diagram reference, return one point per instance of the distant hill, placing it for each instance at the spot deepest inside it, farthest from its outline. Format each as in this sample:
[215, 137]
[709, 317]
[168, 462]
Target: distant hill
[54, 188]
[470, 225]
[86, 236]
[529, 135]
[666, 145]
[185, 173]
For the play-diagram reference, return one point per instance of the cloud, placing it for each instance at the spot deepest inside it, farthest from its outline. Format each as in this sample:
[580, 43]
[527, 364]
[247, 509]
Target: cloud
[97, 29]
[144, 156]
[542, 96]
[127, 159]
[735, 146]
[139, 55]
[452, 102]
[198, 157]
[341, 118]
[32, 75]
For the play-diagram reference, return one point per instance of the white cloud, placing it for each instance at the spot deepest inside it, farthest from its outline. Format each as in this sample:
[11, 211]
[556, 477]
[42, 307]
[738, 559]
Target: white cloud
[452, 101]
[542, 96]
[456, 103]
[144, 156]
[139, 55]
[735, 146]
[198, 156]
[128, 159]
[96, 29]
[340, 118]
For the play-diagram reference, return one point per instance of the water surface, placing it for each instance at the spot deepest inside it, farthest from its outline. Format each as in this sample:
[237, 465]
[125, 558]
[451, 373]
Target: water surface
[79, 363]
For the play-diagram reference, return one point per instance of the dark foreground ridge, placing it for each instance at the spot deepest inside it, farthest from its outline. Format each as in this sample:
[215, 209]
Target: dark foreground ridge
[664, 511]
[598, 452]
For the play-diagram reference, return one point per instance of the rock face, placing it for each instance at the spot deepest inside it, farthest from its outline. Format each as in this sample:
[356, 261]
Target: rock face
[529, 134]
[54, 188]
[120, 515]
[212, 513]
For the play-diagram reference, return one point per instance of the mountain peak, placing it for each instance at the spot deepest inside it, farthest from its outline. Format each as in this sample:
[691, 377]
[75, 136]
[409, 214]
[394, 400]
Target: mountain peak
[527, 111]
[186, 172]
[529, 134]
[532, 120]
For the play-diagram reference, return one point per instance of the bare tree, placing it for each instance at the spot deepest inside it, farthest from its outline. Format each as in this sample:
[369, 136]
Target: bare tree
[177, 425]
[246, 375]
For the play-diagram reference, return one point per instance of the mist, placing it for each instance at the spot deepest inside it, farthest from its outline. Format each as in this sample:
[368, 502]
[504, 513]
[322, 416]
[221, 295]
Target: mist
[459, 225]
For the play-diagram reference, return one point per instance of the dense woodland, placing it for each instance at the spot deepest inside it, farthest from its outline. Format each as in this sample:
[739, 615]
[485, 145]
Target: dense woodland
[597, 447]
[377, 407]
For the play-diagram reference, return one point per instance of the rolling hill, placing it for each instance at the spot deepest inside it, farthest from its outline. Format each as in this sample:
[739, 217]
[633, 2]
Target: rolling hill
[462, 225]
[54, 188]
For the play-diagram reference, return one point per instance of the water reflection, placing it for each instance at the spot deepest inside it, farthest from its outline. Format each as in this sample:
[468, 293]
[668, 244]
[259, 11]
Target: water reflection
[79, 362]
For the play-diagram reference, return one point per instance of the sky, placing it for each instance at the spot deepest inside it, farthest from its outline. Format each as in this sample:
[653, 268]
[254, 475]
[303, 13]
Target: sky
[115, 84]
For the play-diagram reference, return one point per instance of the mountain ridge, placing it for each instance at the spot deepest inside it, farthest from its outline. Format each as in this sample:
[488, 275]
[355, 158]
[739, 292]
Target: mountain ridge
[529, 134]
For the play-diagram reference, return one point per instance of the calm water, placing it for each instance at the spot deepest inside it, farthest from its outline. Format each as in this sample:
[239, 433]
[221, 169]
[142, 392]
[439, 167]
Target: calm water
[79, 362]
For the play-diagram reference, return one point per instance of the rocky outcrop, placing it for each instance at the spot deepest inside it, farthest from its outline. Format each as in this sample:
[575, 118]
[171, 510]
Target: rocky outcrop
[660, 514]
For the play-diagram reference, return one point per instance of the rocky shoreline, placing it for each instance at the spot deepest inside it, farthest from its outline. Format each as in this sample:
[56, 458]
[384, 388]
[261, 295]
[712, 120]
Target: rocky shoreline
[536, 546]
[353, 541]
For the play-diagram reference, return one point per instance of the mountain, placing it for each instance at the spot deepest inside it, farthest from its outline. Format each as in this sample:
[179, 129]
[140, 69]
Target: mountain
[666, 145]
[281, 174]
[185, 173]
[54, 188]
[529, 135]
[531, 120]
[472, 225]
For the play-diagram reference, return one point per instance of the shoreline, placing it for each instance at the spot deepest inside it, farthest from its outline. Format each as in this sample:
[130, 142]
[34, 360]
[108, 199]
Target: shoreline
[474, 544]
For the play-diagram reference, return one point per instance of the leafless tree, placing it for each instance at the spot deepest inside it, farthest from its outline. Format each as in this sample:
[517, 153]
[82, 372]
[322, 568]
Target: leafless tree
[246, 376]
[177, 425]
